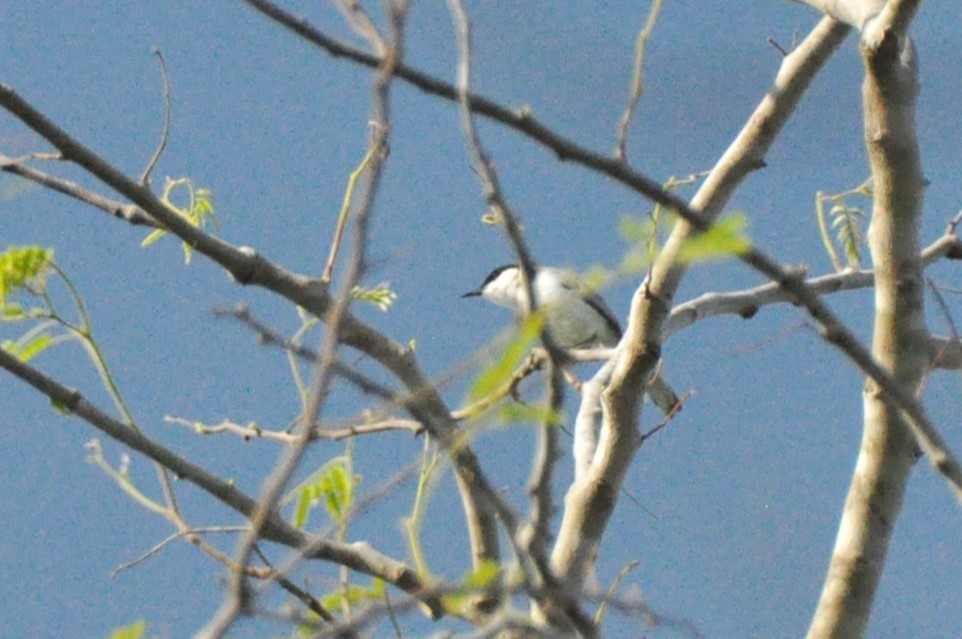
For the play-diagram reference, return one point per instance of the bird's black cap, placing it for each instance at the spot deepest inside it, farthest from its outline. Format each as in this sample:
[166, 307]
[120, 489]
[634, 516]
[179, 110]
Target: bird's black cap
[493, 275]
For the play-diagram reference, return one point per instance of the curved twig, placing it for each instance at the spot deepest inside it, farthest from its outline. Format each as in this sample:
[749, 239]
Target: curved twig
[145, 176]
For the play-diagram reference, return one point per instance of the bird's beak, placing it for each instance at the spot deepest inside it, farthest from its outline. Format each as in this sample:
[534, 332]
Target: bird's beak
[472, 294]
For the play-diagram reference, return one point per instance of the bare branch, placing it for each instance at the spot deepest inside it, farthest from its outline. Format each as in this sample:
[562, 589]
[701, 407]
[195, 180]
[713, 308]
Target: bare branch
[305, 597]
[252, 431]
[248, 267]
[145, 176]
[948, 353]
[534, 533]
[361, 558]
[900, 338]
[127, 212]
[239, 596]
[357, 18]
[591, 499]
[173, 537]
[748, 302]
[637, 76]
[268, 336]
[372, 151]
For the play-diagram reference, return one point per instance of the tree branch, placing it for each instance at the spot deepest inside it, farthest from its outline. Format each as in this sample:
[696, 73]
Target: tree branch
[248, 267]
[900, 340]
[748, 302]
[530, 540]
[237, 601]
[855, 13]
[362, 558]
[127, 212]
[590, 501]
[162, 144]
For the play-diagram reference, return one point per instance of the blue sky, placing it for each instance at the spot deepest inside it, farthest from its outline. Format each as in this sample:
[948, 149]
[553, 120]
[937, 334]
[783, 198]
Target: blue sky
[744, 489]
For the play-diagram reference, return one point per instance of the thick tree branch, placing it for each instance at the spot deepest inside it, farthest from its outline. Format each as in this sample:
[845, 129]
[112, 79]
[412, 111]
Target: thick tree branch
[801, 65]
[591, 499]
[855, 13]
[900, 341]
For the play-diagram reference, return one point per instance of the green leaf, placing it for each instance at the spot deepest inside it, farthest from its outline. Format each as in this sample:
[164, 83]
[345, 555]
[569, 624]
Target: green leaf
[595, 278]
[848, 222]
[635, 261]
[198, 211]
[135, 630]
[23, 266]
[153, 237]
[303, 509]
[331, 484]
[515, 413]
[336, 488]
[381, 296]
[636, 231]
[354, 595]
[499, 372]
[12, 311]
[60, 407]
[724, 239]
[26, 351]
[482, 576]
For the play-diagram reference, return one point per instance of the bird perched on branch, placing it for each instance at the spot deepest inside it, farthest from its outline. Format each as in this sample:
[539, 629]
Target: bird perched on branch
[576, 317]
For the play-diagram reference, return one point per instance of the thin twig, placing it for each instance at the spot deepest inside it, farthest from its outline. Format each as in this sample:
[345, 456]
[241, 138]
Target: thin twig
[777, 46]
[637, 76]
[531, 540]
[268, 336]
[251, 431]
[145, 176]
[364, 559]
[305, 597]
[127, 212]
[177, 535]
[372, 151]
[358, 19]
[237, 601]
[613, 588]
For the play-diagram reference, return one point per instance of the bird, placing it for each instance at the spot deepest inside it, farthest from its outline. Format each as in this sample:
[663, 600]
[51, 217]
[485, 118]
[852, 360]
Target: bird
[576, 317]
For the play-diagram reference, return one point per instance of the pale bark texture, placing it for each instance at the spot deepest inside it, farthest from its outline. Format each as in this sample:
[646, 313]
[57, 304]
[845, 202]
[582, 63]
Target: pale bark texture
[591, 498]
[900, 339]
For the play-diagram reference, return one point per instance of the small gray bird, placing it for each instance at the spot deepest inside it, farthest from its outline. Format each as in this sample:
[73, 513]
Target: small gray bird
[576, 318]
